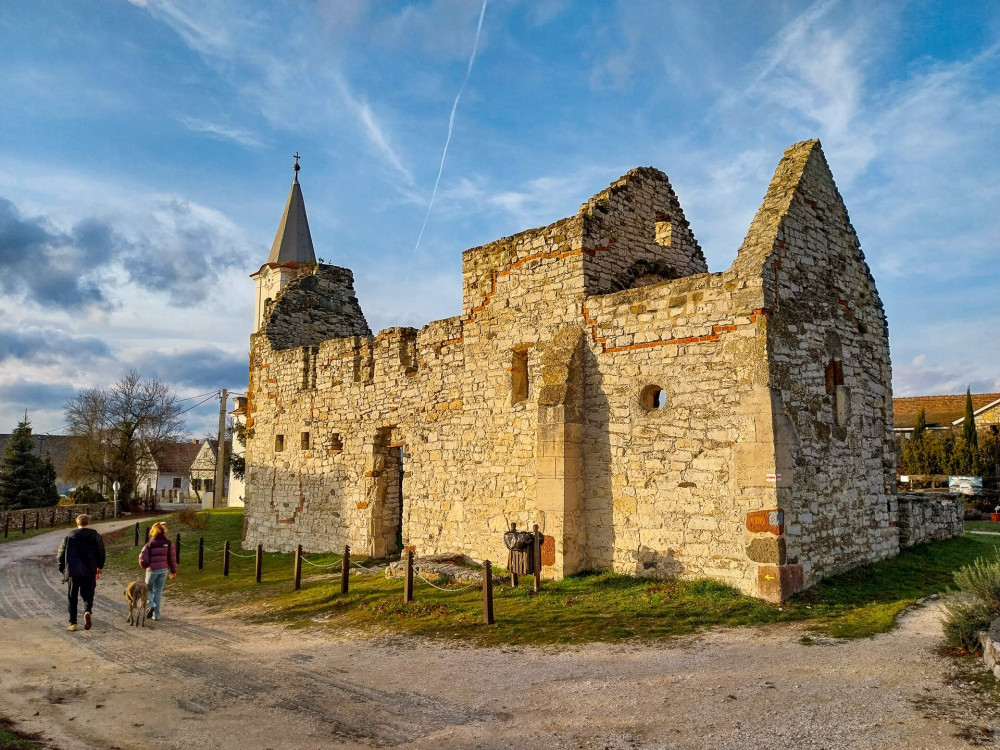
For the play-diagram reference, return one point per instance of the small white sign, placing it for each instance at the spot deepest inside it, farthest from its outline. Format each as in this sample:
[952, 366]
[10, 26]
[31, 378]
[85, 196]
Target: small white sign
[773, 477]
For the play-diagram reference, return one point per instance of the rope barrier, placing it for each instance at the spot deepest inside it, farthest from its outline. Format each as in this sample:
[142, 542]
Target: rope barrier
[236, 554]
[439, 588]
[322, 567]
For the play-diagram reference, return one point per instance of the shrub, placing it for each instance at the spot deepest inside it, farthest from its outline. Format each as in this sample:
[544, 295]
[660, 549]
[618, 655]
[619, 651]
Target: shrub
[976, 605]
[85, 496]
[194, 519]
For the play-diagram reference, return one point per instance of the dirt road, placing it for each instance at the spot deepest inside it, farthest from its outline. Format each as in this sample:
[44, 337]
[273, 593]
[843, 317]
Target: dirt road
[196, 680]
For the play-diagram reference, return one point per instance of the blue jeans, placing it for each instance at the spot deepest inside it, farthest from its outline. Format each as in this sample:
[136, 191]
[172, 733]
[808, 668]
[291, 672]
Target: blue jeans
[154, 581]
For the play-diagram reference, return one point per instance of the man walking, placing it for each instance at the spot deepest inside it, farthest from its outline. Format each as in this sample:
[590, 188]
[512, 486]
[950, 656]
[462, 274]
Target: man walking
[81, 558]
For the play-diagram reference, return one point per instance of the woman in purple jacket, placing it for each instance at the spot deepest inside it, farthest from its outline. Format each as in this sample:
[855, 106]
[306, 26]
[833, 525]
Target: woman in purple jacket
[159, 558]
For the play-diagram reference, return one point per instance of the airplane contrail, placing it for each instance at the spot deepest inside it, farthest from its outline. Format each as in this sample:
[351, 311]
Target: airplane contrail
[451, 125]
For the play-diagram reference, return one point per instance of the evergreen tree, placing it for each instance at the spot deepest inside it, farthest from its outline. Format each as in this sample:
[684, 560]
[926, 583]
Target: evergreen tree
[26, 481]
[969, 424]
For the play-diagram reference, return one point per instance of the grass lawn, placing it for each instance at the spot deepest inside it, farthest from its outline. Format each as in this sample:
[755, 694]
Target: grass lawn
[579, 609]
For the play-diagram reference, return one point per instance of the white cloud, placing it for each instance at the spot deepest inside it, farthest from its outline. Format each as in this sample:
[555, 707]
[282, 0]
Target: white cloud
[237, 135]
[279, 75]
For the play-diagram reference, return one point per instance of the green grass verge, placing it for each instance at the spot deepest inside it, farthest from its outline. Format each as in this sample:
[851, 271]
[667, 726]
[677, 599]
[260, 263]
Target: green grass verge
[12, 740]
[14, 534]
[580, 609]
[982, 526]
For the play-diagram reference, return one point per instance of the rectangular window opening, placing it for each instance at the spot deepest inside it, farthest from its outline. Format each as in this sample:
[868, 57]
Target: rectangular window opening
[304, 441]
[336, 442]
[177, 483]
[664, 231]
[519, 376]
[279, 443]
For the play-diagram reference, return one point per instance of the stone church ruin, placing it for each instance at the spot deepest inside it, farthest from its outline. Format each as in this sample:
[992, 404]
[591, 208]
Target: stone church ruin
[651, 417]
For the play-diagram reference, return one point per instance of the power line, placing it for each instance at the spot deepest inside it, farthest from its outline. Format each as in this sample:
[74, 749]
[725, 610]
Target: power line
[188, 398]
[198, 404]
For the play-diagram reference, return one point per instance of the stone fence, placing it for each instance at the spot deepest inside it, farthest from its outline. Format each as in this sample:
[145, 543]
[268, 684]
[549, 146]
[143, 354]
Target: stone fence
[929, 517]
[53, 515]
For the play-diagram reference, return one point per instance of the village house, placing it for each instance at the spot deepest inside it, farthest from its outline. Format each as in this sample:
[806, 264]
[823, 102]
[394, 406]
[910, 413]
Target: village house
[167, 477]
[944, 412]
[203, 474]
[650, 416]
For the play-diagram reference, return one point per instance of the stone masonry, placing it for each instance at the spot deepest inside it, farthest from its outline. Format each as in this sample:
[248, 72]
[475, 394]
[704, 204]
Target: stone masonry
[651, 417]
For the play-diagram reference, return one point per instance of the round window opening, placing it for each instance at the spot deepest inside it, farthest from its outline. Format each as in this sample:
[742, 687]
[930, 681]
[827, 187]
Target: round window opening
[653, 397]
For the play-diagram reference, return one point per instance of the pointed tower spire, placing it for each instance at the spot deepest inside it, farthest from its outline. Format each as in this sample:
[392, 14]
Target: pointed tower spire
[293, 243]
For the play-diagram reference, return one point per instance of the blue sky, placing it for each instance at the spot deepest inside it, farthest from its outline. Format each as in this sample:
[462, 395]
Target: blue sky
[145, 157]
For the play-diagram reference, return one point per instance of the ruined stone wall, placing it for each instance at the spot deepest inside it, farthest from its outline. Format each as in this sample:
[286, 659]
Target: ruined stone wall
[929, 517]
[323, 306]
[829, 375]
[677, 428]
[636, 233]
[442, 395]
[650, 417]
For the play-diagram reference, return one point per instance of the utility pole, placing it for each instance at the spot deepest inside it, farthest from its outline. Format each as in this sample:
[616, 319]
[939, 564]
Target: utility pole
[220, 454]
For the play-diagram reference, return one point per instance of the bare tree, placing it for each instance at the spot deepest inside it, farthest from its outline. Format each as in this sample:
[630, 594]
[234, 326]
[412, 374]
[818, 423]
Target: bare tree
[121, 430]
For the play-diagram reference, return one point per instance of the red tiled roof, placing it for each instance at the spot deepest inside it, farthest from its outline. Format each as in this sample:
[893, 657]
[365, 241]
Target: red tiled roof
[940, 411]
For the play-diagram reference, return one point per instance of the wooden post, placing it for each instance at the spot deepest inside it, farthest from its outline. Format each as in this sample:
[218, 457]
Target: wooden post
[298, 567]
[487, 593]
[52, 519]
[6, 524]
[201, 553]
[513, 575]
[37, 519]
[178, 548]
[408, 578]
[136, 534]
[536, 558]
[345, 572]
[259, 562]
[147, 532]
[24, 524]
[225, 559]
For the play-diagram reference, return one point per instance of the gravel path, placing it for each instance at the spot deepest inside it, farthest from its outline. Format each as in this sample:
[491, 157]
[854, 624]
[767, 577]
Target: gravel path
[196, 680]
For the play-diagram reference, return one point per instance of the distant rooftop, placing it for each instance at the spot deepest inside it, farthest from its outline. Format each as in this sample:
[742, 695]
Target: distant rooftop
[941, 411]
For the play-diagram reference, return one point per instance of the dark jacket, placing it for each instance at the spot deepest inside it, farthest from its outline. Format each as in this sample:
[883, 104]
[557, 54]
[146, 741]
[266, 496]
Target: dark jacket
[81, 552]
[158, 554]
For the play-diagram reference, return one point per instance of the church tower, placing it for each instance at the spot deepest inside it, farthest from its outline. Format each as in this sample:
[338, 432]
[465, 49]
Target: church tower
[292, 249]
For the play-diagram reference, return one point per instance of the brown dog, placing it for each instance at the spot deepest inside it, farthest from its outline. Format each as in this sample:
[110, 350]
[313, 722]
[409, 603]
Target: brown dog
[137, 596]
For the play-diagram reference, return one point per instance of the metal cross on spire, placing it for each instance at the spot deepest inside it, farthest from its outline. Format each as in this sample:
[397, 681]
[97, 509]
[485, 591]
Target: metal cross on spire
[297, 167]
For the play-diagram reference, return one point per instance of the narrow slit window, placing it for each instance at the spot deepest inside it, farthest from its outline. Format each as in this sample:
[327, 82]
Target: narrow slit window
[304, 441]
[835, 387]
[519, 376]
[279, 443]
